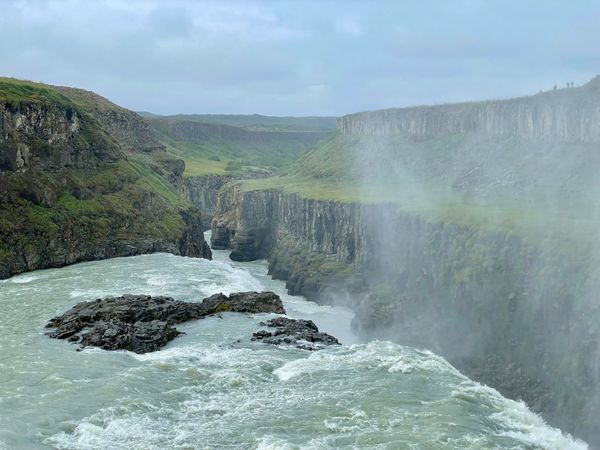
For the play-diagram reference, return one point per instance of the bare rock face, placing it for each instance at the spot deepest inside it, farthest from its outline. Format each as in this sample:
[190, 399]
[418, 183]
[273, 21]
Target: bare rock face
[141, 323]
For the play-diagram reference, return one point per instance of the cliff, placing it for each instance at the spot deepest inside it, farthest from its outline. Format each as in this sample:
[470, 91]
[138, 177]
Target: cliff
[570, 114]
[202, 193]
[499, 306]
[468, 229]
[81, 179]
[130, 131]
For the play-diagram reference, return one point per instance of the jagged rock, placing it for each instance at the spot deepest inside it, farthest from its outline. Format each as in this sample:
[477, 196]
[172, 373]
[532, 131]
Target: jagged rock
[304, 334]
[140, 337]
[192, 241]
[245, 302]
[141, 323]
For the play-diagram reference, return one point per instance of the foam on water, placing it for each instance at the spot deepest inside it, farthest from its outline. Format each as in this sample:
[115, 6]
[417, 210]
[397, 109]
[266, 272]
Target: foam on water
[214, 388]
[22, 279]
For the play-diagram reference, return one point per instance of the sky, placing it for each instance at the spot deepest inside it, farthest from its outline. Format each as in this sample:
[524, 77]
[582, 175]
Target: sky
[300, 57]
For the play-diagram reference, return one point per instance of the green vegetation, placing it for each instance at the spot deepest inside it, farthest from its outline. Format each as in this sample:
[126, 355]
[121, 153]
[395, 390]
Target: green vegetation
[309, 272]
[57, 211]
[256, 122]
[123, 200]
[223, 307]
[430, 178]
[220, 148]
[14, 91]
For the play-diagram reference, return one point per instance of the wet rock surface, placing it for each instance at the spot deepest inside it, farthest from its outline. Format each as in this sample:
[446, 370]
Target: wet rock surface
[245, 302]
[301, 333]
[141, 323]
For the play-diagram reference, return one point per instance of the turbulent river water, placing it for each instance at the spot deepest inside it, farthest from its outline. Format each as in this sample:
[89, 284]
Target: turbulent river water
[213, 388]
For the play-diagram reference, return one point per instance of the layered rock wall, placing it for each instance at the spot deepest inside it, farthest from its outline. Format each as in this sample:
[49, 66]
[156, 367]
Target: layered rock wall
[37, 134]
[202, 191]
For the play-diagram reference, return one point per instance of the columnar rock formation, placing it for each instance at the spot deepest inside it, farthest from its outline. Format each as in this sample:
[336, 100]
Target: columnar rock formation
[202, 193]
[571, 114]
[497, 305]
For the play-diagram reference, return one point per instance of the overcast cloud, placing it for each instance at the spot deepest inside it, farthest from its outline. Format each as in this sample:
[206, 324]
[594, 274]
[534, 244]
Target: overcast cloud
[300, 58]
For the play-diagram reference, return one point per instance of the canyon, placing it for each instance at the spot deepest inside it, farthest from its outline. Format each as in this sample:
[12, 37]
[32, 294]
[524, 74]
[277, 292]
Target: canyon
[466, 229]
[493, 275]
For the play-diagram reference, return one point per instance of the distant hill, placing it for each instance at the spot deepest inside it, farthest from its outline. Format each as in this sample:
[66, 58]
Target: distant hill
[238, 144]
[257, 121]
[147, 115]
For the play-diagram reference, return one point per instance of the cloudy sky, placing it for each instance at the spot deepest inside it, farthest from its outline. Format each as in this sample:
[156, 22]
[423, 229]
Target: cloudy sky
[300, 57]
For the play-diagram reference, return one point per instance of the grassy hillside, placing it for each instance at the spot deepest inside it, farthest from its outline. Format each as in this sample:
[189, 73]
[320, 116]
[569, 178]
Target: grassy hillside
[257, 122]
[229, 144]
[85, 185]
[18, 91]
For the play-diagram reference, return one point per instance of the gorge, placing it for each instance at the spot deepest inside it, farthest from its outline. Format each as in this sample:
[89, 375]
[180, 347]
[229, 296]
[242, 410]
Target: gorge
[468, 230]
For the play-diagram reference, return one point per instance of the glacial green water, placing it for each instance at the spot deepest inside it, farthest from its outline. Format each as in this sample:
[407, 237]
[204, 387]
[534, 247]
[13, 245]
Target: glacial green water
[215, 389]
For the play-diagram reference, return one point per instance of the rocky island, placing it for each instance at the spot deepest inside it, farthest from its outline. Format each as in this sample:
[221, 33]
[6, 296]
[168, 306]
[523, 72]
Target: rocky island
[142, 323]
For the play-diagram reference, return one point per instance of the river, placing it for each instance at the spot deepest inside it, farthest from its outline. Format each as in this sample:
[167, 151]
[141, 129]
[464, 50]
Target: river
[213, 388]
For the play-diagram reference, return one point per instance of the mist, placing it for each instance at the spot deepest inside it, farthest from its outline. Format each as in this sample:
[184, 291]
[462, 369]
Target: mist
[485, 247]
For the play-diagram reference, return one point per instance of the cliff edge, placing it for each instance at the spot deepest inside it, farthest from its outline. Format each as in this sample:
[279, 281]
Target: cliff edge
[82, 179]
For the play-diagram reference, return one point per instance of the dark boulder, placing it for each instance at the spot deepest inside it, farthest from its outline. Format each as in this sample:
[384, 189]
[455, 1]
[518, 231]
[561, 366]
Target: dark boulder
[304, 334]
[140, 337]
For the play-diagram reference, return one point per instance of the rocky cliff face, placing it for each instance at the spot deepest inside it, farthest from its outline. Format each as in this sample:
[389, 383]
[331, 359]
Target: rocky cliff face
[202, 193]
[511, 300]
[42, 135]
[499, 306]
[571, 114]
[82, 179]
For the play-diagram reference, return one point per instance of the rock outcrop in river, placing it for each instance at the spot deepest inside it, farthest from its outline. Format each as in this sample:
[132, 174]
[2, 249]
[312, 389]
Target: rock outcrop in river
[303, 334]
[141, 323]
